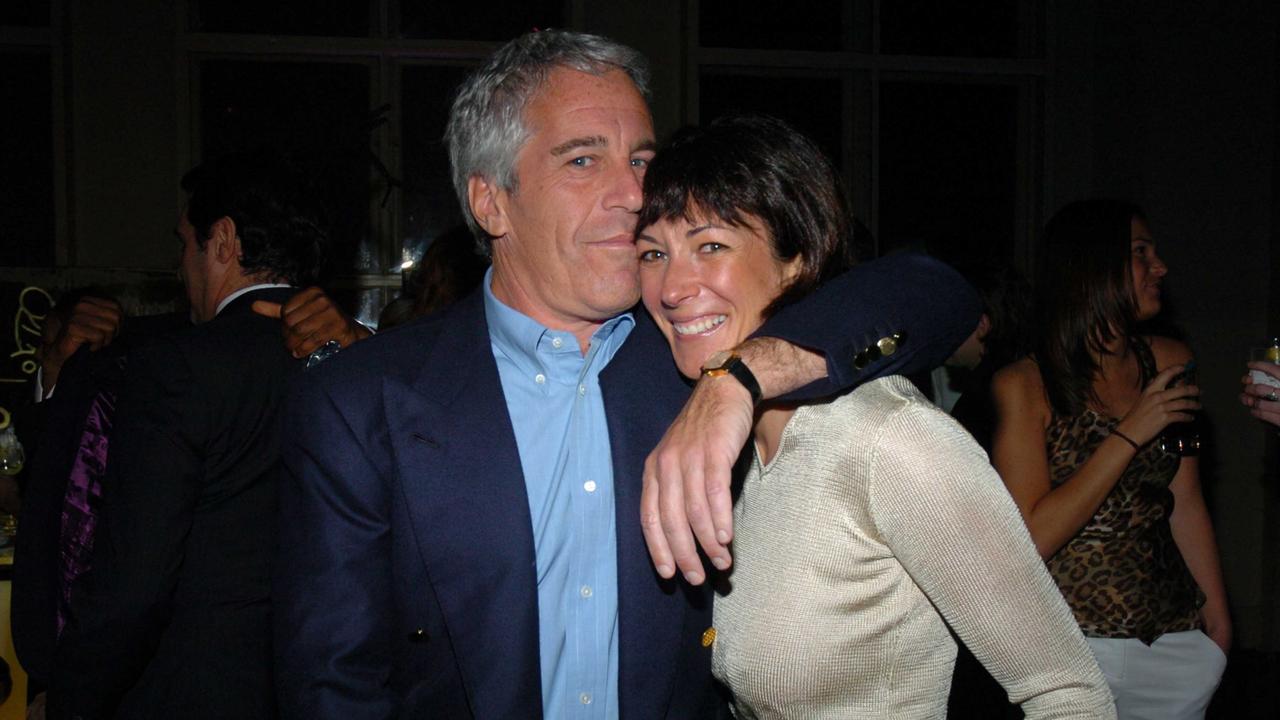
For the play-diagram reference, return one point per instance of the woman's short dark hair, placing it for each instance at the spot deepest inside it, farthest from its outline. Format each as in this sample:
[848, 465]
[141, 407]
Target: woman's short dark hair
[276, 216]
[1084, 295]
[757, 166]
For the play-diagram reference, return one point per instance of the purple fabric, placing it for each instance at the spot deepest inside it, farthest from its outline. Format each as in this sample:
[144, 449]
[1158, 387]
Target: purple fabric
[82, 500]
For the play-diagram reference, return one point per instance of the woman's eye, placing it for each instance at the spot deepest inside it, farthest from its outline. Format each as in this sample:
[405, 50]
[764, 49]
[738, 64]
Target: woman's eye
[651, 256]
[712, 247]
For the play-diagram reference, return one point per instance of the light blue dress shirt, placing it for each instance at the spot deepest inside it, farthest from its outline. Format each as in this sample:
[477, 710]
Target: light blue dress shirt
[553, 397]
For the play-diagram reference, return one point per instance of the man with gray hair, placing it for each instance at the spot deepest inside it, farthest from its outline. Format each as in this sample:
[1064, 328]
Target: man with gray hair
[461, 532]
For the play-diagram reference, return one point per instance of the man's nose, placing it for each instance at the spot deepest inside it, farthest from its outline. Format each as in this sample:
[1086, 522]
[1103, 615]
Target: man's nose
[626, 188]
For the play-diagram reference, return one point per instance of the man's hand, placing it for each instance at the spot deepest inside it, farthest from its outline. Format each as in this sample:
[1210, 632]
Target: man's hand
[310, 320]
[687, 476]
[94, 322]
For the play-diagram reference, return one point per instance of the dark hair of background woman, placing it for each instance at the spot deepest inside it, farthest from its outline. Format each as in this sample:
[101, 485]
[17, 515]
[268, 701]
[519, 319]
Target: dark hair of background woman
[754, 165]
[1084, 296]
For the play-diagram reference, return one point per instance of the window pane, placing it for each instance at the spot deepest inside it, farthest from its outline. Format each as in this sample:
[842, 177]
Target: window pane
[811, 104]
[316, 113]
[26, 171]
[764, 24]
[24, 13]
[343, 18]
[927, 27]
[769, 25]
[948, 169]
[494, 20]
[429, 207]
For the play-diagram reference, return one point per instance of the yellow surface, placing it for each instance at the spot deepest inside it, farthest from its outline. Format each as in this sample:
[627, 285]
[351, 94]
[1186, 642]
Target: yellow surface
[1273, 354]
[15, 708]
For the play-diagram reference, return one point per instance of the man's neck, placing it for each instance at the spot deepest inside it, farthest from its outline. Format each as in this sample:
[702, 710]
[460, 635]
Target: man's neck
[514, 295]
[245, 284]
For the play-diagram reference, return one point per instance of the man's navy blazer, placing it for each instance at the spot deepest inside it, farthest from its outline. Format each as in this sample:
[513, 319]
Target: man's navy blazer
[406, 582]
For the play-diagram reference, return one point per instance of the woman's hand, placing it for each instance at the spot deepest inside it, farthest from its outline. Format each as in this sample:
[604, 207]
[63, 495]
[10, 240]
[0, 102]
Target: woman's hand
[1258, 397]
[1159, 406]
[1217, 625]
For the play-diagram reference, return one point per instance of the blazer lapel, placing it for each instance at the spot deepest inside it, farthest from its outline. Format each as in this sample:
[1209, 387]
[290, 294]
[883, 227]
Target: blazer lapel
[643, 392]
[459, 468]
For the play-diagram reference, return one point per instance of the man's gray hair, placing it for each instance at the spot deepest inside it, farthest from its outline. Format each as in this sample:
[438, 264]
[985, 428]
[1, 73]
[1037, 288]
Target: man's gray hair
[486, 125]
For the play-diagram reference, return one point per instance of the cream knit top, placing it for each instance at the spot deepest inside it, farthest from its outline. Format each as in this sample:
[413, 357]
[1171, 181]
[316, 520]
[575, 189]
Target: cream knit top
[879, 523]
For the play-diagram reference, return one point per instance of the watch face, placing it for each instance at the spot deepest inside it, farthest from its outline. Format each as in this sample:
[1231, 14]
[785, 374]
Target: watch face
[718, 360]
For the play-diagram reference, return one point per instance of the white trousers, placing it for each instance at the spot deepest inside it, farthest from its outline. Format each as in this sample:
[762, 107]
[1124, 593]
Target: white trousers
[1172, 679]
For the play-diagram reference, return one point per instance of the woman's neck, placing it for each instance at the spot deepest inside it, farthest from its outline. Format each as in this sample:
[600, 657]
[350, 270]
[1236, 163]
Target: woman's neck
[767, 432]
[1119, 378]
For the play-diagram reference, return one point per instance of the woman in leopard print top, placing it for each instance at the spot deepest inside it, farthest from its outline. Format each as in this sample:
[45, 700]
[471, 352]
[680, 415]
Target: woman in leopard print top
[1121, 523]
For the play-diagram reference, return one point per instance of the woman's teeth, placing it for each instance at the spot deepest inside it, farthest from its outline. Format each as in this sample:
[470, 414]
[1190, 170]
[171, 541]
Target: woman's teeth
[699, 326]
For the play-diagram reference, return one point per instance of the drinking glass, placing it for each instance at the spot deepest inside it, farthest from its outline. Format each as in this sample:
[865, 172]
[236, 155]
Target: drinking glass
[1267, 351]
[1182, 438]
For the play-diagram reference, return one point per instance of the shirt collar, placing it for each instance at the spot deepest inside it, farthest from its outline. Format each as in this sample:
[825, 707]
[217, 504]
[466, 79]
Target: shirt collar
[520, 337]
[260, 286]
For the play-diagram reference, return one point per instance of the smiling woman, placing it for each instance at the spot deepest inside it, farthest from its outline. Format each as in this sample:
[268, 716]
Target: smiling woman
[855, 540]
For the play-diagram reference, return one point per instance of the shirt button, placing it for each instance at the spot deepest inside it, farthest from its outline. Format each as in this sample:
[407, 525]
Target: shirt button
[582, 389]
[556, 343]
[589, 486]
[585, 591]
[540, 378]
[585, 698]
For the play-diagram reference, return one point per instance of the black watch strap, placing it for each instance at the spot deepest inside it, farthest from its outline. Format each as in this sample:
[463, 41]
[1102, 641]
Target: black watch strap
[733, 365]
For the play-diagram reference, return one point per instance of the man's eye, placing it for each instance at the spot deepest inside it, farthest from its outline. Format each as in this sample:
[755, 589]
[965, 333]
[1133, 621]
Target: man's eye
[640, 162]
[583, 161]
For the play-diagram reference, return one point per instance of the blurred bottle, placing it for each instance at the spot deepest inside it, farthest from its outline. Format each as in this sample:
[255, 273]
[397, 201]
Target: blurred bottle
[12, 457]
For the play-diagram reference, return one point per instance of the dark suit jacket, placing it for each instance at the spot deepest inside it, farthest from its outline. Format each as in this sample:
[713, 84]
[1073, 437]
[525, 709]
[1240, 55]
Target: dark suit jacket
[174, 618]
[406, 583]
[36, 579]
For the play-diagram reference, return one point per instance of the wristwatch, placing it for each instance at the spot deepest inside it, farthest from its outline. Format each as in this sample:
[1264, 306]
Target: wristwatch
[727, 362]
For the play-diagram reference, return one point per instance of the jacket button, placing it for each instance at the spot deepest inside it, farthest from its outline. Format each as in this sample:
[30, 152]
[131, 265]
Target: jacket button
[419, 635]
[708, 637]
[888, 345]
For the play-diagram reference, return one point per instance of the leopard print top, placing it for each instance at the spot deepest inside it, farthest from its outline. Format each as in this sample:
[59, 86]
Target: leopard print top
[1122, 574]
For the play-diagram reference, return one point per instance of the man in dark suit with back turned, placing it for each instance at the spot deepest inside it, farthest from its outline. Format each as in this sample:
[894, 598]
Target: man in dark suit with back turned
[463, 534]
[174, 619]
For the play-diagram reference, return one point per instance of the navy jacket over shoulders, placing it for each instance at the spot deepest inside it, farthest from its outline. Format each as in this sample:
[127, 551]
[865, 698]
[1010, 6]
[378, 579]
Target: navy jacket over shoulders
[406, 584]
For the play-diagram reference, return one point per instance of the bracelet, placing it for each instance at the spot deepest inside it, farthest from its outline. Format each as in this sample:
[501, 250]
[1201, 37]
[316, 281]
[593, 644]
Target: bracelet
[1126, 438]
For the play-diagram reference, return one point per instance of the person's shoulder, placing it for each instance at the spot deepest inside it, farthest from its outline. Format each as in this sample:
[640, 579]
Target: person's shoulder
[400, 353]
[1020, 376]
[882, 401]
[902, 423]
[1167, 351]
[1020, 386]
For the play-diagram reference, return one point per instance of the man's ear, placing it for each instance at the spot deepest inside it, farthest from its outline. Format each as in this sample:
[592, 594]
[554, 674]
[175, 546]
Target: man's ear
[984, 326]
[487, 205]
[224, 241]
